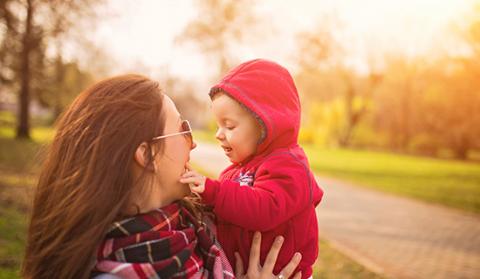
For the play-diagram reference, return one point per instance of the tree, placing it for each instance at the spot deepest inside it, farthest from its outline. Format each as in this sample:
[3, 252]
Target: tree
[188, 104]
[8, 41]
[63, 81]
[451, 108]
[399, 99]
[220, 24]
[25, 72]
[44, 22]
[324, 77]
[453, 97]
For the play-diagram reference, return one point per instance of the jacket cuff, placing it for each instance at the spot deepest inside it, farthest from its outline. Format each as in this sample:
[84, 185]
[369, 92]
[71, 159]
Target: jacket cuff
[210, 193]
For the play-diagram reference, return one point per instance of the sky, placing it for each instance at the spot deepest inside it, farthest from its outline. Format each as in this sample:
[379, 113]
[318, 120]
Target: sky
[141, 34]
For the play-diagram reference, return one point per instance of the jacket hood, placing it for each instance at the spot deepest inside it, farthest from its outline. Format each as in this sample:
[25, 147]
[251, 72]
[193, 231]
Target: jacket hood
[268, 90]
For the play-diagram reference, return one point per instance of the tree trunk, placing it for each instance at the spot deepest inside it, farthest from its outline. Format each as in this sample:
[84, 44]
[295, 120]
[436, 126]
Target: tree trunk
[405, 121]
[23, 128]
[461, 153]
[59, 72]
[349, 125]
[350, 122]
[461, 147]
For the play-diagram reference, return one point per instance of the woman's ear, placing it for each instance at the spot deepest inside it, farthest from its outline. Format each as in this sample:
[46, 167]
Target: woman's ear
[143, 157]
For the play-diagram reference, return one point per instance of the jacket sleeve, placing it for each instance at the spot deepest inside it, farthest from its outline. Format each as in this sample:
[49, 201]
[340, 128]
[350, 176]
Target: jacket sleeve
[282, 188]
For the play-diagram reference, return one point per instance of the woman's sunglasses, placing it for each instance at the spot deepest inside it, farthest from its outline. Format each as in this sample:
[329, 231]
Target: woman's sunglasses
[186, 130]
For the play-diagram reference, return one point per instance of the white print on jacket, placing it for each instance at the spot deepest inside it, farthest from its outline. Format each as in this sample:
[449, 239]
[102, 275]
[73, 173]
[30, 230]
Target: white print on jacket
[245, 179]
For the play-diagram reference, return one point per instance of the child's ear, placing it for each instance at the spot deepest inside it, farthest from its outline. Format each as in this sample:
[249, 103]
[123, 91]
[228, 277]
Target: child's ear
[144, 157]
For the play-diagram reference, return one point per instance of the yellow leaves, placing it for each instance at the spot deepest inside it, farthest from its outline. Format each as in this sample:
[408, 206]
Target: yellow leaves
[326, 122]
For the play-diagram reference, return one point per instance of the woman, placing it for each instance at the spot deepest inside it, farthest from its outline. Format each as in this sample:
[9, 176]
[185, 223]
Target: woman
[109, 200]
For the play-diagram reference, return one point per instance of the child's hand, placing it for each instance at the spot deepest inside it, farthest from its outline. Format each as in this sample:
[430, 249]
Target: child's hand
[195, 180]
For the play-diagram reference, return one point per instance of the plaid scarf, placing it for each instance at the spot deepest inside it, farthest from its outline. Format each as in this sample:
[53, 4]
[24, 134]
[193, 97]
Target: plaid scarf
[164, 243]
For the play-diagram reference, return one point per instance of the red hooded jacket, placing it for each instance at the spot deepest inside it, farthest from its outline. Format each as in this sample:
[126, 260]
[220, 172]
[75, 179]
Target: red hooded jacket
[274, 191]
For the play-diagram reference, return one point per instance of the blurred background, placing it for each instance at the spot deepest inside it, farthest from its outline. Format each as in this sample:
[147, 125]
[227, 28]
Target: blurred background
[390, 91]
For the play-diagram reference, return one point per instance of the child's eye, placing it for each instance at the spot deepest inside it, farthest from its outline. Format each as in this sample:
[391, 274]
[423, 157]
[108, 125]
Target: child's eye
[230, 127]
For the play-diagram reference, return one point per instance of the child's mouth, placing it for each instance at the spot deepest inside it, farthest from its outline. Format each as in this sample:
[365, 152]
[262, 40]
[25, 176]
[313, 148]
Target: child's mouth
[227, 149]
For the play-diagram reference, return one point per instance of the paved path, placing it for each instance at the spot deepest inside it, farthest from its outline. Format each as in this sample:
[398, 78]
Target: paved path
[393, 236]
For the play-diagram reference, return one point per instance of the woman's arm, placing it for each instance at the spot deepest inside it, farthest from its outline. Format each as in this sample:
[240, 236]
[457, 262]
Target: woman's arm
[255, 270]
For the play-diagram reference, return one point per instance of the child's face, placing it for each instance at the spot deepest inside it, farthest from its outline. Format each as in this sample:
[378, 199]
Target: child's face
[238, 130]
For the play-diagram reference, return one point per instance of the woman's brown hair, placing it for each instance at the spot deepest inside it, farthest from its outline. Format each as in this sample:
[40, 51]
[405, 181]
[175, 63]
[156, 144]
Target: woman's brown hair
[86, 178]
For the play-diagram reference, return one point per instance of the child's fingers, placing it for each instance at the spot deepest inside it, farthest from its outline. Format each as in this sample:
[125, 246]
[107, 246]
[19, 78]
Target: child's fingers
[193, 187]
[187, 179]
[190, 174]
[197, 188]
[190, 180]
[298, 275]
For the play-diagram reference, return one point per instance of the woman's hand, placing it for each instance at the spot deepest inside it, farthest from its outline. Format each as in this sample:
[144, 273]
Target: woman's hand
[195, 180]
[255, 270]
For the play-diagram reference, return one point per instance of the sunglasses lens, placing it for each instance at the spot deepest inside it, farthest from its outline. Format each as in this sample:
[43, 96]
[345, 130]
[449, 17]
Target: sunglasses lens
[186, 128]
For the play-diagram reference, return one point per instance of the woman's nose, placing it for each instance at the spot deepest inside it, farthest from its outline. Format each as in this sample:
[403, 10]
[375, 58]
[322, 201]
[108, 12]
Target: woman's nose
[194, 144]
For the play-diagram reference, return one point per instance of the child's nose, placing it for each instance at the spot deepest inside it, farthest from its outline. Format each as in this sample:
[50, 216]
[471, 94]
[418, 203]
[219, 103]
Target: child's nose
[219, 135]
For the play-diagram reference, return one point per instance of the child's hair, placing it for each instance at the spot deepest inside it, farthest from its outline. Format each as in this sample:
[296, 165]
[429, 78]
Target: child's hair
[216, 92]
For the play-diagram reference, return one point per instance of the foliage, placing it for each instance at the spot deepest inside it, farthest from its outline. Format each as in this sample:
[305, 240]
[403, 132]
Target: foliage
[64, 81]
[415, 105]
[219, 26]
[32, 29]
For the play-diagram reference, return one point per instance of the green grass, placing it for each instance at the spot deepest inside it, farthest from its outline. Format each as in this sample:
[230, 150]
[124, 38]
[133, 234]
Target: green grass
[7, 118]
[22, 155]
[13, 226]
[331, 264]
[447, 182]
[38, 134]
[19, 165]
[15, 193]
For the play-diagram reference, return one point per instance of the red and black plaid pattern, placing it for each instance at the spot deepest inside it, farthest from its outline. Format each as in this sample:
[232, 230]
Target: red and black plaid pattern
[165, 243]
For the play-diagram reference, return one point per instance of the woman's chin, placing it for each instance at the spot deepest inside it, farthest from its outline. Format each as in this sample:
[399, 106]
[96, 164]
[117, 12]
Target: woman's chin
[185, 189]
